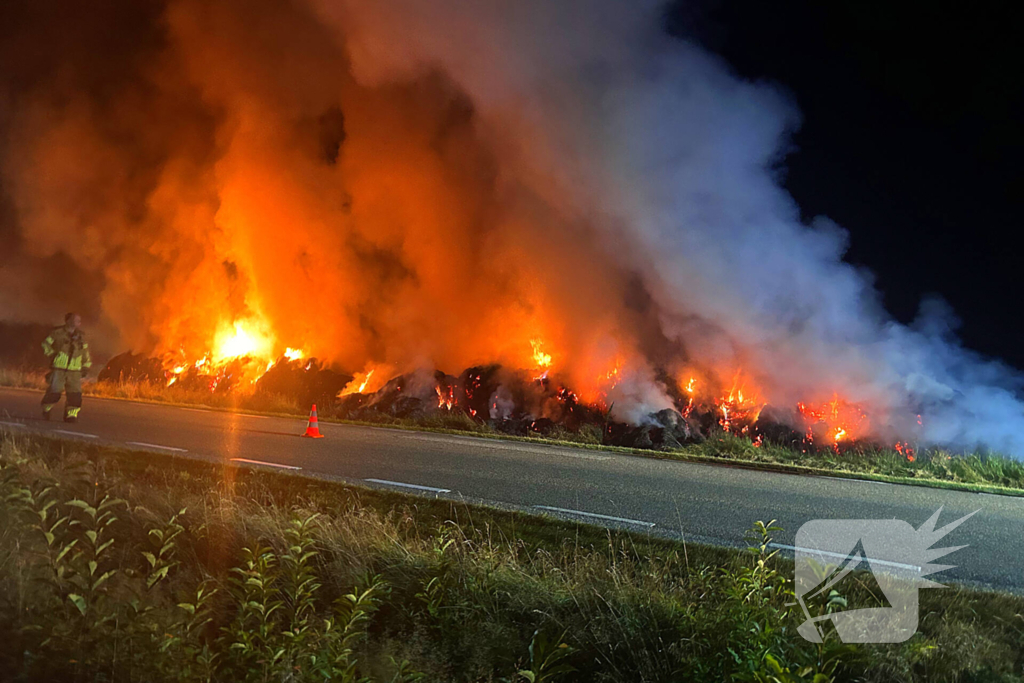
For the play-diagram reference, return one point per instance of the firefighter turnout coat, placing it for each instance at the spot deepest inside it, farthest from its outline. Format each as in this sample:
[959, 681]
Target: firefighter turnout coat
[69, 350]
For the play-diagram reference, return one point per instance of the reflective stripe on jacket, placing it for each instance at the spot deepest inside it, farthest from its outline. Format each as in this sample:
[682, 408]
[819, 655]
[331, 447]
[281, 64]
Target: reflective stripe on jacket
[69, 351]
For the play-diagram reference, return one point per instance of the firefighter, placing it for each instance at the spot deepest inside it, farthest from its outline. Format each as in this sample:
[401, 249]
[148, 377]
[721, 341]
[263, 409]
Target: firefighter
[71, 362]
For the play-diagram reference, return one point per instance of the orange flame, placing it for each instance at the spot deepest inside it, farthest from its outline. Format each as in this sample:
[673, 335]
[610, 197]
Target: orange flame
[542, 360]
[741, 407]
[359, 383]
[445, 399]
[839, 420]
[242, 339]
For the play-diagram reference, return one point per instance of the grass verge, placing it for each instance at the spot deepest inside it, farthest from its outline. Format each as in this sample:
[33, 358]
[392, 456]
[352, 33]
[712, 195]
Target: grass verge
[119, 566]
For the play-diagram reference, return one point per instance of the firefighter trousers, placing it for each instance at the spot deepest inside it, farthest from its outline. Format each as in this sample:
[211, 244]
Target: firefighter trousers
[61, 380]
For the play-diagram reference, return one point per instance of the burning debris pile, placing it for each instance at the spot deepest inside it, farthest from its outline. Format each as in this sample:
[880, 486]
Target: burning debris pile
[516, 402]
[511, 402]
[300, 380]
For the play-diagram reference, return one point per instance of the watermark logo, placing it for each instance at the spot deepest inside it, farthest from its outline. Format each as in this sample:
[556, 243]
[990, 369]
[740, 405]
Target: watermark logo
[898, 558]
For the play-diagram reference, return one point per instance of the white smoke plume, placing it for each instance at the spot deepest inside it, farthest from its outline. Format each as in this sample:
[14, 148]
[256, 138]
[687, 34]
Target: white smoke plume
[677, 162]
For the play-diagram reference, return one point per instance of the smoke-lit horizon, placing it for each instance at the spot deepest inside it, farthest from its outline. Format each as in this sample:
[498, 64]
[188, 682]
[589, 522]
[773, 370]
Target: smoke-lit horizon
[438, 184]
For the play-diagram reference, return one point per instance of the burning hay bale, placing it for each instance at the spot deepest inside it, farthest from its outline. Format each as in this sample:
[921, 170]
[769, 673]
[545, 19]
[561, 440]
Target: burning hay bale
[666, 430]
[775, 426]
[414, 396]
[474, 389]
[510, 402]
[303, 381]
[514, 402]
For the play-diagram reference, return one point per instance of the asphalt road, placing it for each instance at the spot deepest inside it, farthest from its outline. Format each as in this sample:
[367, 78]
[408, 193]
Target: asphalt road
[703, 503]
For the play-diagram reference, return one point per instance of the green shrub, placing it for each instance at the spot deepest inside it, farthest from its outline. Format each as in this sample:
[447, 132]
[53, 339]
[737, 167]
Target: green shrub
[116, 568]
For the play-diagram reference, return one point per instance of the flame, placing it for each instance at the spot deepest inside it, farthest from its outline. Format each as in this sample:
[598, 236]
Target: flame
[358, 384]
[543, 360]
[904, 449]
[445, 399]
[368, 381]
[365, 381]
[741, 407]
[293, 354]
[842, 420]
[612, 376]
[243, 339]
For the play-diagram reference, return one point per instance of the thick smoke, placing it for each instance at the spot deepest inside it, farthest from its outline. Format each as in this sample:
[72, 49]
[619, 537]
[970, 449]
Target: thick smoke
[424, 183]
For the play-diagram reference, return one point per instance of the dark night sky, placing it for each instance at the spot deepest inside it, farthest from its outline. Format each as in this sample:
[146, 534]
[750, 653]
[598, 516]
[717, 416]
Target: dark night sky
[913, 139]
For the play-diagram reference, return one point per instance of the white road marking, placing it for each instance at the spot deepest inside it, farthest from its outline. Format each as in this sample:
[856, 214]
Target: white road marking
[594, 514]
[1003, 496]
[268, 464]
[66, 431]
[553, 451]
[409, 486]
[582, 456]
[815, 551]
[153, 445]
[197, 410]
[12, 424]
[859, 480]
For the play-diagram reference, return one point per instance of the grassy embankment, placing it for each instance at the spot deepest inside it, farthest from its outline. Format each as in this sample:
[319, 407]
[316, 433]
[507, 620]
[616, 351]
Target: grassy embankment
[115, 567]
[935, 467]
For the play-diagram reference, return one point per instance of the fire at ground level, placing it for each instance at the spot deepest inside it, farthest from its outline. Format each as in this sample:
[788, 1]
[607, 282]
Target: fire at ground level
[527, 402]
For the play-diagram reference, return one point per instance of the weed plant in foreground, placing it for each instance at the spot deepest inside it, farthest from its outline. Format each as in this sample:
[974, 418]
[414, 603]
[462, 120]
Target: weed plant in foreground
[123, 566]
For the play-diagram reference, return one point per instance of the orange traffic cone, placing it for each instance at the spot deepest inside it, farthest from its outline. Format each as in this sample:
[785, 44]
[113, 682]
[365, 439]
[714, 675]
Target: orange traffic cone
[313, 427]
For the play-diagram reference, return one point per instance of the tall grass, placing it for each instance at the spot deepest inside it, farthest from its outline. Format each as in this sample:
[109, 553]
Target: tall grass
[120, 568]
[238, 399]
[934, 464]
[27, 379]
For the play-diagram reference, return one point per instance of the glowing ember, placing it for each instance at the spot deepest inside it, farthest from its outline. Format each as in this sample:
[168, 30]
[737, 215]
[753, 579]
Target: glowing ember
[740, 408]
[445, 399]
[691, 389]
[834, 421]
[904, 449]
[567, 396]
[612, 376]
